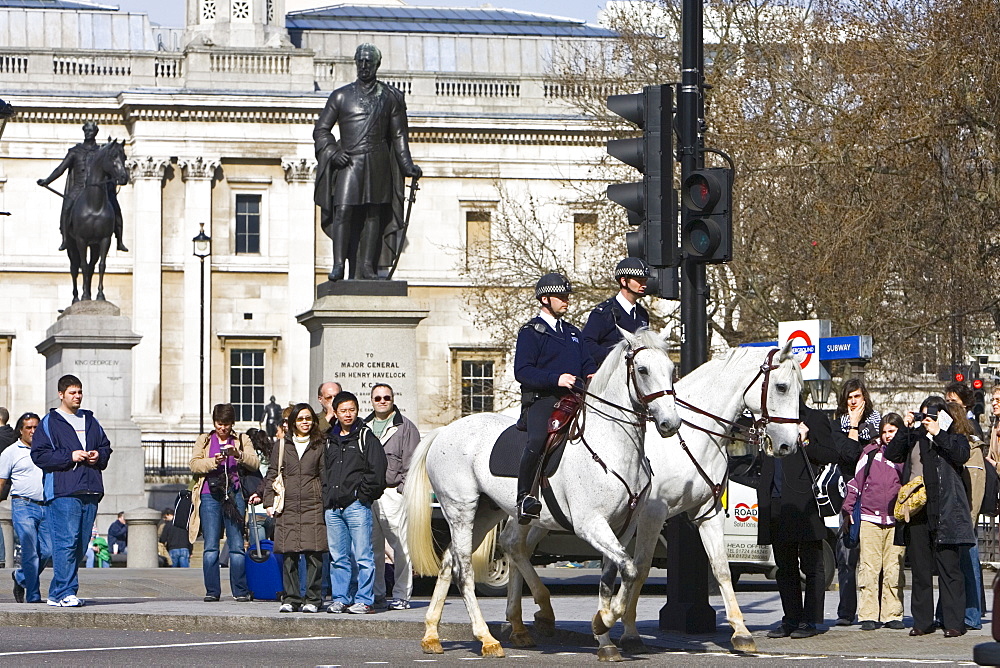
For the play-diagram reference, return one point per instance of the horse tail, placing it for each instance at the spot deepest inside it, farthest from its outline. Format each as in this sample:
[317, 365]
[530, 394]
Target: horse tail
[483, 556]
[417, 499]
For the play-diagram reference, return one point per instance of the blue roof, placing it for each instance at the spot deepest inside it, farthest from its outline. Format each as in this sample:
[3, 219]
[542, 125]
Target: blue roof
[447, 20]
[56, 4]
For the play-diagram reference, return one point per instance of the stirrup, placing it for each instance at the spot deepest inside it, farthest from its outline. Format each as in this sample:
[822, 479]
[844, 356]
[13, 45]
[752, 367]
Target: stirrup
[528, 509]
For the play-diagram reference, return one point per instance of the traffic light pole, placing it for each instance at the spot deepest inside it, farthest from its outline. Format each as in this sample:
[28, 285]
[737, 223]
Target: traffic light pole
[687, 609]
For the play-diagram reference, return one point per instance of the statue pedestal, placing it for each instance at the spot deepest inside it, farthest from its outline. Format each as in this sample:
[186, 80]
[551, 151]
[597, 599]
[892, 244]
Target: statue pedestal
[93, 341]
[363, 340]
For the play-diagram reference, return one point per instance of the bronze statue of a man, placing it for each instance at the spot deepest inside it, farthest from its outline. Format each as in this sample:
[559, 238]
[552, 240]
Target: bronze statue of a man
[77, 161]
[359, 180]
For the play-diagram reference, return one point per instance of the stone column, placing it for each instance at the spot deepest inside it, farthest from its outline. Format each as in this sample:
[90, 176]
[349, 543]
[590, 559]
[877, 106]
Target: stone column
[198, 174]
[300, 175]
[142, 537]
[361, 340]
[147, 259]
[94, 342]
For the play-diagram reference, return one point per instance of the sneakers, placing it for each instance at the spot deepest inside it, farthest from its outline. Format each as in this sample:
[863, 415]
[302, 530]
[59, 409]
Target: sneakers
[528, 509]
[868, 625]
[843, 621]
[286, 607]
[67, 602]
[896, 624]
[360, 609]
[246, 598]
[210, 598]
[804, 630]
[309, 607]
[336, 607]
[782, 631]
[18, 589]
[399, 604]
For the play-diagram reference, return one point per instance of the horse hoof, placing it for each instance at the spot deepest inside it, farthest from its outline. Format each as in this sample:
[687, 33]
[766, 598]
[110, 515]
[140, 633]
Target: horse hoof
[100, 297]
[522, 639]
[633, 645]
[609, 653]
[493, 649]
[598, 626]
[544, 626]
[432, 646]
[744, 643]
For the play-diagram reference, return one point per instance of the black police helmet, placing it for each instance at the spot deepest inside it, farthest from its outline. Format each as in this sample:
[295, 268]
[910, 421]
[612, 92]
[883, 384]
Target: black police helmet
[552, 284]
[632, 267]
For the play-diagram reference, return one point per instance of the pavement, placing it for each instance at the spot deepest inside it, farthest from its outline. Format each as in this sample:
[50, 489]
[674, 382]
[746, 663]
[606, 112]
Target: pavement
[171, 600]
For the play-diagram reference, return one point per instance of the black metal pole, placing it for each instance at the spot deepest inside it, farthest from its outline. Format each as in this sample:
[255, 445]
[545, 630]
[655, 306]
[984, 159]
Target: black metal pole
[201, 356]
[687, 609]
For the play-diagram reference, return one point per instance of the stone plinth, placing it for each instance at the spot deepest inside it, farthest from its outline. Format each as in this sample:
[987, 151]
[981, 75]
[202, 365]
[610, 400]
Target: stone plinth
[93, 341]
[142, 537]
[360, 341]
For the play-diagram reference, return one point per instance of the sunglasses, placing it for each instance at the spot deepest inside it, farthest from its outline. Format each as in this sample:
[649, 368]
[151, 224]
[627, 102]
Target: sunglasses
[380, 399]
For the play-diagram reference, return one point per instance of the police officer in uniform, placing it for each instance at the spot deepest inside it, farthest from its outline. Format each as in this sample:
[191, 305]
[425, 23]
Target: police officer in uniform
[623, 310]
[549, 360]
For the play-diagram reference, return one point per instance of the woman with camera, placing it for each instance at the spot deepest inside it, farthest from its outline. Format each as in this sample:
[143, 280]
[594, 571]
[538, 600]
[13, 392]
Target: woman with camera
[299, 527]
[219, 501]
[933, 450]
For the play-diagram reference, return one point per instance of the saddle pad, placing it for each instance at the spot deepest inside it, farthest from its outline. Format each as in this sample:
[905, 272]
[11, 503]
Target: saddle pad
[505, 458]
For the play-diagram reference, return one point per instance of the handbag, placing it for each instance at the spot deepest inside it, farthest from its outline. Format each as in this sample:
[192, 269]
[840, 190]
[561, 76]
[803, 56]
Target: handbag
[278, 485]
[911, 499]
[828, 487]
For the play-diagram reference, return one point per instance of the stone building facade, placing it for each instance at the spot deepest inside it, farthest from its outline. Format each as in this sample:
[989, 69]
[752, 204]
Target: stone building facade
[217, 117]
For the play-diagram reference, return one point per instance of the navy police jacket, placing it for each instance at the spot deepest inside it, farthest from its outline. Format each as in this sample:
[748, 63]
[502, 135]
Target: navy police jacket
[542, 355]
[601, 331]
[52, 451]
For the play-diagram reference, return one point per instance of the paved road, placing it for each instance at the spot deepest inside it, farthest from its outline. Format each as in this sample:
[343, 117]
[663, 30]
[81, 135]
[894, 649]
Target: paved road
[38, 647]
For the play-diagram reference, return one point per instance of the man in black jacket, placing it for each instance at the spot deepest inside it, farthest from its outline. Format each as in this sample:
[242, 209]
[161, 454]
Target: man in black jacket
[354, 478]
[790, 522]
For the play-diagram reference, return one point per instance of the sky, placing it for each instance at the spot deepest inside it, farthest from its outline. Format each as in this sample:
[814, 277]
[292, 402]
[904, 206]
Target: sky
[171, 12]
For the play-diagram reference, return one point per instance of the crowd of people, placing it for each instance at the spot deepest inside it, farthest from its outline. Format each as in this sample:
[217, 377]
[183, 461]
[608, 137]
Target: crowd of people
[916, 488]
[331, 484]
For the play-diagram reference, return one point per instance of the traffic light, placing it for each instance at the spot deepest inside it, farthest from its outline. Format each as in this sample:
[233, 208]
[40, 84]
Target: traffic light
[707, 216]
[665, 283]
[650, 203]
[978, 397]
[959, 377]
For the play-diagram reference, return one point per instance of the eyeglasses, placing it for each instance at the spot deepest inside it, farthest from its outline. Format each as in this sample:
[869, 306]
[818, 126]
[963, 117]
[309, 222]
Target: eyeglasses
[381, 399]
[304, 419]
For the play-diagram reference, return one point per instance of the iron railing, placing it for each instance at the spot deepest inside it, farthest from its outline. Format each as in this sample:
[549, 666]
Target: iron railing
[167, 458]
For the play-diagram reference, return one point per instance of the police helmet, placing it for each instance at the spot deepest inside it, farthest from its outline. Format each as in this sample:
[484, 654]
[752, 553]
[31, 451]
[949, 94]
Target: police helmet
[552, 284]
[632, 267]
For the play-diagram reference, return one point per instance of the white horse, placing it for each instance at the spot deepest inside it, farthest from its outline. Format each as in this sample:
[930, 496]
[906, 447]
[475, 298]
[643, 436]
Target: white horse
[711, 398]
[601, 481]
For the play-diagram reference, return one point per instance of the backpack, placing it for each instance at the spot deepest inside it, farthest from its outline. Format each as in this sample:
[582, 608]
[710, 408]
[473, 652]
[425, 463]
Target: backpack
[183, 509]
[991, 497]
[829, 487]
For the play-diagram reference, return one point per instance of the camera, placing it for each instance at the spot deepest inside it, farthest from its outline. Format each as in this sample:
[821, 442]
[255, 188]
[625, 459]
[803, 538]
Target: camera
[920, 417]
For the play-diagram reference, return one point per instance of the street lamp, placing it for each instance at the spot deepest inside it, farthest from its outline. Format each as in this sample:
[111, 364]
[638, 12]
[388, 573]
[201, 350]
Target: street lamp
[202, 249]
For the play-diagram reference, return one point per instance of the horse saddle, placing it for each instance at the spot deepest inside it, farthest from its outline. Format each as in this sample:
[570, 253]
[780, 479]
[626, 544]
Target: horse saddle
[505, 458]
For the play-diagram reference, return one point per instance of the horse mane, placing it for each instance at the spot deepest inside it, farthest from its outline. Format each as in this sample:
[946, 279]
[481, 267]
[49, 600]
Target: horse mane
[616, 358]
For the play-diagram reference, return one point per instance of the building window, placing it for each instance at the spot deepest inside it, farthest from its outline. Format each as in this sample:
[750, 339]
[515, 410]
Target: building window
[584, 237]
[477, 386]
[246, 383]
[248, 223]
[208, 10]
[241, 9]
[270, 11]
[477, 237]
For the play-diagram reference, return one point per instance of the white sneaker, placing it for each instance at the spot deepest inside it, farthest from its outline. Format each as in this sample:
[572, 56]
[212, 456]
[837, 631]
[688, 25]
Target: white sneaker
[67, 602]
[336, 607]
[286, 607]
[309, 607]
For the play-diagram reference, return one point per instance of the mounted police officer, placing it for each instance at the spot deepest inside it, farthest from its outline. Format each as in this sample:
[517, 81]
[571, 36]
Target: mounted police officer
[623, 310]
[550, 359]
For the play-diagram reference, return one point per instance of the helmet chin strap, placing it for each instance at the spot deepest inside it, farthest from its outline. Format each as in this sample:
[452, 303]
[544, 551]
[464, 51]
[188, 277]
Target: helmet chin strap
[546, 306]
[624, 286]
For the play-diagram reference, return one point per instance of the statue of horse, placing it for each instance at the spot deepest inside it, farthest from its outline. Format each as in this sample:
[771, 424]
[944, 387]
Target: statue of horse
[602, 479]
[690, 471]
[92, 218]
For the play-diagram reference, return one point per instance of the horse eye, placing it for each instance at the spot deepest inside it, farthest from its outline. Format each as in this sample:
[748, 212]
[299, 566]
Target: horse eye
[643, 370]
[781, 387]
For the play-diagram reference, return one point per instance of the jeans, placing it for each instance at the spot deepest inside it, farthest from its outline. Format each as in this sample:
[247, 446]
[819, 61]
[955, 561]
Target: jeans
[180, 558]
[213, 520]
[352, 563]
[71, 519]
[32, 530]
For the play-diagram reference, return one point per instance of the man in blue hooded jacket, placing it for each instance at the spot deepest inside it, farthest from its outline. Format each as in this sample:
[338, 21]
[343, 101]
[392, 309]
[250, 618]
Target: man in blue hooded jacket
[72, 450]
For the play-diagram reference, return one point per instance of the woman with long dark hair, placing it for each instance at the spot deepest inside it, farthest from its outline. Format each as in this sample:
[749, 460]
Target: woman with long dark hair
[299, 528]
[219, 501]
[930, 450]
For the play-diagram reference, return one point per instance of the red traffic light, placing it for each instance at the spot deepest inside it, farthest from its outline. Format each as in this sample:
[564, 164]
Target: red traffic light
[977, 384]
[959, 377]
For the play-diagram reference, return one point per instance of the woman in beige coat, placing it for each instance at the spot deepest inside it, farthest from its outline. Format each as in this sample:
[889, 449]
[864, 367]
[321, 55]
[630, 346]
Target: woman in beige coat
[299, 529]
[219, 501]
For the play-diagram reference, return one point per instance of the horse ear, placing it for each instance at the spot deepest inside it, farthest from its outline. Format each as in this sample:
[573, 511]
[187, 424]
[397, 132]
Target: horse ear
[786, 351]
[633, 341]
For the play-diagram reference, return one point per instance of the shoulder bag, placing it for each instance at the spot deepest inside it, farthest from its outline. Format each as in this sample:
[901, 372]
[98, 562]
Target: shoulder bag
[911, 499]
[828, 487]
[279, 483]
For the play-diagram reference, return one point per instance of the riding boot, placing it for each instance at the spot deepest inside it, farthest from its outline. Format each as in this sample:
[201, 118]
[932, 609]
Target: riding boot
[62, 231]
[121, 245]
[338, 234]
[528, 506]
[368, 247]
